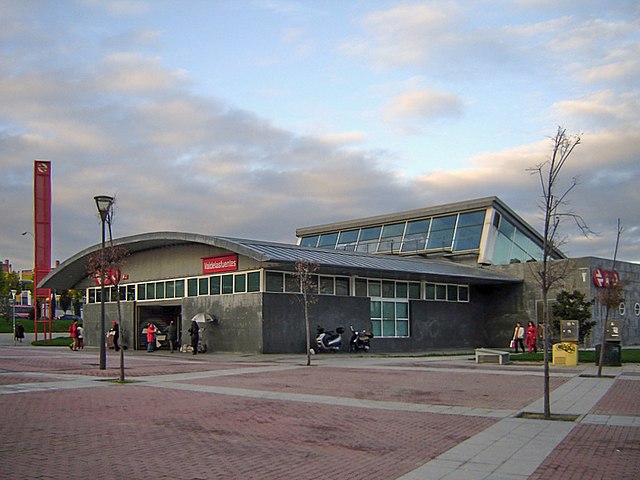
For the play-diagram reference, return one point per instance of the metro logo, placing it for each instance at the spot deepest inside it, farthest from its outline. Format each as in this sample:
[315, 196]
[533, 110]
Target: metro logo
[605, 278]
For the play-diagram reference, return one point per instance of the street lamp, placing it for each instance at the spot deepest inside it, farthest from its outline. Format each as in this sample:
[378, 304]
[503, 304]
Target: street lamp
[104, 204]
[13, 299]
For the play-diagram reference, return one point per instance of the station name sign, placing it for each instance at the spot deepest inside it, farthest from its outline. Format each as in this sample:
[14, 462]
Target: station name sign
[605, 278]
[224, 263]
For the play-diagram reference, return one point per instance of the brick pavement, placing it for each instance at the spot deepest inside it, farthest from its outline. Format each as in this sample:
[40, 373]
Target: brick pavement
[270, 417]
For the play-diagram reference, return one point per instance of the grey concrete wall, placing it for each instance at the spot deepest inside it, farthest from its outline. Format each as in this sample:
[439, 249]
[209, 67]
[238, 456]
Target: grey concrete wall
[91, 322]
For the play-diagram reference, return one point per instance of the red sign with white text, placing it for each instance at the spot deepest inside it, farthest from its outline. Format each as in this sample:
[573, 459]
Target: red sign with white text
[224, 263]
[605, 278]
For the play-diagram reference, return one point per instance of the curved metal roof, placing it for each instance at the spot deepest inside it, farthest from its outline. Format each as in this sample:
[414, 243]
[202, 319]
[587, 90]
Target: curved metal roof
[73, 270]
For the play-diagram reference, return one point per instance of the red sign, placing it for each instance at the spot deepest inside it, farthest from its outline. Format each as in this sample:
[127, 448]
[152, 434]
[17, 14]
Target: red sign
[111, 277]
[42, 224]
[605, 278]
[224, 263]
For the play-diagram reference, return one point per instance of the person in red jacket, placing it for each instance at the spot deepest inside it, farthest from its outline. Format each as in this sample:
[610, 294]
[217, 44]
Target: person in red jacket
[151, 337]
[531, 337]
[73, 333]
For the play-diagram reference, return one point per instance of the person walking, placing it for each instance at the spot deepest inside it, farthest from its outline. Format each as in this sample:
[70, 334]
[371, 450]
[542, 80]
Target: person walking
[115, 328]
[19, 333]
[172, 335]
[73, 333]
[195, 336]
[531, 337]
[518, 337]
[80, 334]
[151, 337]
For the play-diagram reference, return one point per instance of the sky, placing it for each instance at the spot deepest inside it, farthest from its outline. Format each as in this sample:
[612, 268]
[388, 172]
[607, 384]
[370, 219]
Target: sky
[251, 118]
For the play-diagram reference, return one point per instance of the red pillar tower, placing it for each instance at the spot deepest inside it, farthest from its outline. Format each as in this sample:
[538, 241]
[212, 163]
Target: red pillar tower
[42, 241]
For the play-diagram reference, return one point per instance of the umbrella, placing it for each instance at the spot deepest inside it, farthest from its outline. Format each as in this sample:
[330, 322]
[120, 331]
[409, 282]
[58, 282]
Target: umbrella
[202, 317]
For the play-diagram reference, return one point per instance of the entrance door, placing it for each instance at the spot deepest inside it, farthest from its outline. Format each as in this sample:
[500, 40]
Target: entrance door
[160, 316]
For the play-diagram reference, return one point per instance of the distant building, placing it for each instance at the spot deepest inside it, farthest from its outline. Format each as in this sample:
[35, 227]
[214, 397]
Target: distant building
[455, 276]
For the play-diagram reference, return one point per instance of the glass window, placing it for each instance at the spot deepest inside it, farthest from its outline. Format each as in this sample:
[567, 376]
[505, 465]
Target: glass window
[342, 286]
[368, 241]
[291, 283]
[192, 287]
[401, 290]
[227, 284]
[347, 240]
[463, 293]
[391, 237]
[98, 295]
[361, 287]
[441, 234]
[388, 289]
[414, 290]
[441, 293]
[179, 288]
[203, 286]
[309, 241]
[326, 286]
[123, 293]
[376, 309]
[142, 291]
[452, 293]
[375, 288]
[240, 283]
[328, 240]
[131, 293]
[402, 310]
[151, 291]
[402, 328]
[112, 294]
[274, 282]
[469, 231]
[159, 289]
[415, 237]
[215, 285]
[91, 295]
[429, 291]
[253, 281]
[170, 289]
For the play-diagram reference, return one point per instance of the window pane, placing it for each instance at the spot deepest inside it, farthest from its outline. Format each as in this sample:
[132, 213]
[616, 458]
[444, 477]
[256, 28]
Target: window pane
[192, 287]
[203, 286]
[123, 292]
[402, 328]
[376, 328]
[402, 310]
[326, 285]
[429, 291]
[328, 240]
[214, 285]
[275, 282]
[253, 282]
[291, 283]
[240, 283]
[388, 328]
[368, 241]
[391, 237]
[441, 234]
[142, 291]
[441, 292]
[92, 295]
[415, 237]
[375, 288]
[309, 241]
[388, 290]
[347, 240]
[452, 293]
[159, 289]
[170, 288]
[469, 231]
[151, 291]
[131, 293]
[401, 290]
[179, 288]
[227, 283]
[342, 286]
[414, 290]
[463, 293]
[388, 310]
[361, 287]
[376, 309]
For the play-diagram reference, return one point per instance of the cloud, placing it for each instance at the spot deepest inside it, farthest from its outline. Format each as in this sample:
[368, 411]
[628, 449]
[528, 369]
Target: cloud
[422, 105]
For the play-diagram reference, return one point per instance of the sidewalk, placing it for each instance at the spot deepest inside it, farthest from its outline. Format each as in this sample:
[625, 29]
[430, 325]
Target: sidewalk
[272, 417]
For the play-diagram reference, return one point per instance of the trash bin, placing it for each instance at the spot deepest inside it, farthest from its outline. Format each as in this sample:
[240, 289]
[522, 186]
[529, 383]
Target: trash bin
[612, 354]
[565, 353]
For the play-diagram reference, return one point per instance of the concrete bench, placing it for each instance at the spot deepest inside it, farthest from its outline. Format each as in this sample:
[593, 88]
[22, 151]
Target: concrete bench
[488, 355]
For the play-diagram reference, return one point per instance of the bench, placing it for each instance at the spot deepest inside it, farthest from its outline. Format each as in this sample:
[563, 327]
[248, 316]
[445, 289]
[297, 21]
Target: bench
[488, 355]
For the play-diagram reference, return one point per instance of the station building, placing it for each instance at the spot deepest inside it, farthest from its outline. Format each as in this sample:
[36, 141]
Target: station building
[454, 276]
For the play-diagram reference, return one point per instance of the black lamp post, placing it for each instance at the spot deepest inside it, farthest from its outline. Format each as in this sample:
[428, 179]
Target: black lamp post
[104, 204]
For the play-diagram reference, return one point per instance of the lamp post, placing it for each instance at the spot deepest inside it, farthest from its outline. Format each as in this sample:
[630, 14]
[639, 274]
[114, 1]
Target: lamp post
[13, 299]
[104, 204]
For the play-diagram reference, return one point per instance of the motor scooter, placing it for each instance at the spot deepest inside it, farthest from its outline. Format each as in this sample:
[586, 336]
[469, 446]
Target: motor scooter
[360, 340]
[327, 341]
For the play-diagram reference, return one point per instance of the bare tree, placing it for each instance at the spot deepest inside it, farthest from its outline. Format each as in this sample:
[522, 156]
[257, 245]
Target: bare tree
[307, 280]
[554, 208]
[610, 297]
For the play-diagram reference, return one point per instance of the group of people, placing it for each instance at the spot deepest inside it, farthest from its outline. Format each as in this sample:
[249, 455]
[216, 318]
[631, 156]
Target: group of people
[76, 332]
[522, 336]
[172, 336]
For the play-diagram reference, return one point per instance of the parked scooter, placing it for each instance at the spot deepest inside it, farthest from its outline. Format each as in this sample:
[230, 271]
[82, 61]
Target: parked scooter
[327, 341]
[360, 340]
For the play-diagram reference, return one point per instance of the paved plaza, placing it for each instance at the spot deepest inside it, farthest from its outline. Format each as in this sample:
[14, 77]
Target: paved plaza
[223, 416]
